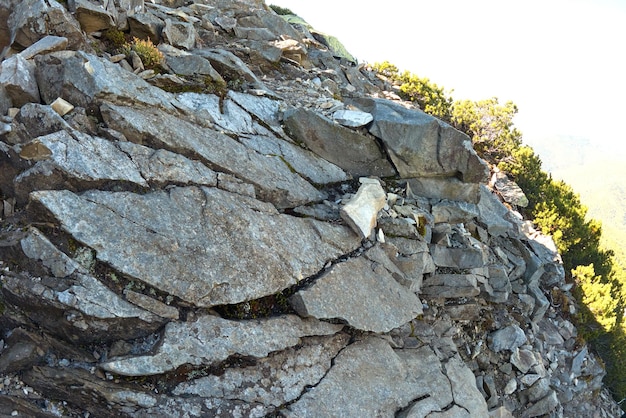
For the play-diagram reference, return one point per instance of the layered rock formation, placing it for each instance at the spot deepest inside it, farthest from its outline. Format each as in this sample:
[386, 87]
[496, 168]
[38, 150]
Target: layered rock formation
[258, 228]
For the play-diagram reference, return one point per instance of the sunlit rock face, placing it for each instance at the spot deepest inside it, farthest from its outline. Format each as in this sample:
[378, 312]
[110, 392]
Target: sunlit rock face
[255, 226]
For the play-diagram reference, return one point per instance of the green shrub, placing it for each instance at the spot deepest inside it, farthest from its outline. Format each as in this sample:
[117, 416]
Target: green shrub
[281, 10]
[149, 54]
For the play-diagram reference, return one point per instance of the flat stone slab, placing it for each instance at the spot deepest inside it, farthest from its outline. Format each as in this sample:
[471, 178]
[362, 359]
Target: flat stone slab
[204, 245]
[272, 381]
[351, 289]
[358, 154]
[270, 175]
[369, 379]
[211, 339]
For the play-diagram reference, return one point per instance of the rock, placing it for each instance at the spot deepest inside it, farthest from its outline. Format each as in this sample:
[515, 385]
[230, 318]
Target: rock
[450, 286]
[92, 18]
[211, 339]
[357, 154]
[362, 293]
[46, 44]
[508, 338]
[179, 34]
[464, 390]
[509, 190]
[223, 249]
[454, 212]
[187, 64]
[443, 188]
[17, 75]
[523, 360]
[352, 118]
[27, 26]
[76, 158]
[85, 80]
[273, 381]
[361, 210]
[274, 180]
[61, 107]
[231, 67]
[459, 258]
[422, 146]
[97, 312]
[492, 213]
[370, 379]
[146, 26]
[543, 406]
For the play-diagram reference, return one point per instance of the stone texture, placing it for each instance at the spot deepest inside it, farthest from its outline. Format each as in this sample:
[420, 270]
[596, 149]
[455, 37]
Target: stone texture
[92, 18]
[370, 379]
[27, 27]
[46, 44]
[204, 245]
[211, 339]
[357, 154]
[349, 290]
[17, 76]
[270, 174]
[422, 146]
[444, 188]
[84, 80]
[508, 338]
[352, 118]
[361, 210]
[450, 286]
[273, 381]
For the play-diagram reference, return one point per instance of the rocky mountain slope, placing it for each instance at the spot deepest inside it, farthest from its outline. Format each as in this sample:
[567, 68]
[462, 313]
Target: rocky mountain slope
[259, 227]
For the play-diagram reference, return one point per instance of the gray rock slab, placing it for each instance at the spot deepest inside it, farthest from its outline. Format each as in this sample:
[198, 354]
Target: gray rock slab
[230, 66]
[454, 212]
[369, 379]
[46, 44]
[273, 178]
[361, 210]
[352, 118]
[464, 390]
[211, 339]
[207, 246]
[92, 17]
[274, 380]
[460, 258]
[523, 360]
[508, 338]
[361, 292]
[187, 64]
[17, 75]
[80, 156]
[443, 188]
[309, 165]
[84, 79]
[421, 145]
[510, 191]
[492, 213]
[27, 26]
[179, 34]
[162, 166]
[358, 154]
[450, 286]
[88, 295]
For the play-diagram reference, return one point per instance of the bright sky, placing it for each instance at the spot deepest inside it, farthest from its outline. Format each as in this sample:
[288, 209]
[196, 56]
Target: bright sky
[563, 62]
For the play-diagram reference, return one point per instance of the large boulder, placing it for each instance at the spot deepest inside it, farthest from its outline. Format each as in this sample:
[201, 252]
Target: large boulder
[359, 155]
[204, 245]
[421, 145]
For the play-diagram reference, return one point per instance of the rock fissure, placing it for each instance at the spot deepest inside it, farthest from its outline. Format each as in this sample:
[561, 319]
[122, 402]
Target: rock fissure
[237, 254]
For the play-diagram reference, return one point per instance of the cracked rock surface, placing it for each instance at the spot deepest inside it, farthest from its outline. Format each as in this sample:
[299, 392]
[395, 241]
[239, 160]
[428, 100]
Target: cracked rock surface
[257, 226]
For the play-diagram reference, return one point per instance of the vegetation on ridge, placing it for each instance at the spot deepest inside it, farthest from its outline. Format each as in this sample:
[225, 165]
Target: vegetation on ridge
[554, 207]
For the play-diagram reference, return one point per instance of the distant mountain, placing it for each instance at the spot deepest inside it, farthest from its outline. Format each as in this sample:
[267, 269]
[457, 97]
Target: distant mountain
[597, 173]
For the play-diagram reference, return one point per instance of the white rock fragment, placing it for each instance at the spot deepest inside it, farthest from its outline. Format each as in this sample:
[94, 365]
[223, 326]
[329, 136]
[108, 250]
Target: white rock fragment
[360, 211]
[352, 118]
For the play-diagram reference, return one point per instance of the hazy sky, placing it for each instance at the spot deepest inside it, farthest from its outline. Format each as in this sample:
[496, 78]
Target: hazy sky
[563, 62]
